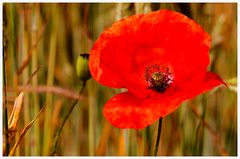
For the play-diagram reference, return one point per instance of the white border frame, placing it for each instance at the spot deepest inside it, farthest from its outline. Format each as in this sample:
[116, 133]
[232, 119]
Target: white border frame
[117, 1]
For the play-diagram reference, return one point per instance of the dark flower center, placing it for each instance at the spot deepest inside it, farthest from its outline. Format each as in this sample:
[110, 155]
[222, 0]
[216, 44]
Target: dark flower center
[158, 77]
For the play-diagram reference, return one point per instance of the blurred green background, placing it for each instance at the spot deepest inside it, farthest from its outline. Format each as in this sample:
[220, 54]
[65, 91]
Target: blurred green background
[52, 36]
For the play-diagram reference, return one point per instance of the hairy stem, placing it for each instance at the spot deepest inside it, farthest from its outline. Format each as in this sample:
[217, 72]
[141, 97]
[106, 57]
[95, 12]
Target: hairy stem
[158, 136]
[65, 117]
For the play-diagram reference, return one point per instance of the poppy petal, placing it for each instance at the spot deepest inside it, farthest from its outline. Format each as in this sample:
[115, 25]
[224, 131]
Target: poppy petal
[125, 111]
[174, 41]
[122, 52]
[168, 102]
[128, 111]
[210, 81]
[100, 71]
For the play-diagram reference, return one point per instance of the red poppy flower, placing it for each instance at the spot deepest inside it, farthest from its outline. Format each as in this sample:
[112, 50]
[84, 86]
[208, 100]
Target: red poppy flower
[160, 58]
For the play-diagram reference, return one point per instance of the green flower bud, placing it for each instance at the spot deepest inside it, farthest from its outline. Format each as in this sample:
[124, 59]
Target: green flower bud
[82, 67]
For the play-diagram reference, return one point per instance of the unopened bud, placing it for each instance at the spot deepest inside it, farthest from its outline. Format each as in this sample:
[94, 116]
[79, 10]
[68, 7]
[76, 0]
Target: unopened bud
[82, 67]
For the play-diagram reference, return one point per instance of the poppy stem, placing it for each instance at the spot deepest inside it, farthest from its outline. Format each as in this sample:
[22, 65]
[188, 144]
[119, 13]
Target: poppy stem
[65, 117]
[158, 136]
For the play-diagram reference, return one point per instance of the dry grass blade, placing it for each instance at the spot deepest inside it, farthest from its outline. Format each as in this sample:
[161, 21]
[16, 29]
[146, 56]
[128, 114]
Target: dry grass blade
[14, 117]
[50, 89]
[12, 123]
[32, 75]
[27, 60]
[24, 131]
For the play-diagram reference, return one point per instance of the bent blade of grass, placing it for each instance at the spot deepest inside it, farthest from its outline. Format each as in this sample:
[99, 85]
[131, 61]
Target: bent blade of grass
[12, 122]
[24, 131]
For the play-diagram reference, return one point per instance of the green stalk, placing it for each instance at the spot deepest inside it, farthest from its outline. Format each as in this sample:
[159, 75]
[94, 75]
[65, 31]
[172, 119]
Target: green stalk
[143, 142]
[36, 109]
[132, 143]
[203, 127]
[126, 140]
[50, 78]
[11, 9]
[5, 105]
[129, 142]
[148, 140]
[24, 43]
[91, 118]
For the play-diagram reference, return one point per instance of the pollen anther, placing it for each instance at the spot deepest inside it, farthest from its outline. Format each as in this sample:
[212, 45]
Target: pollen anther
[158, 77]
